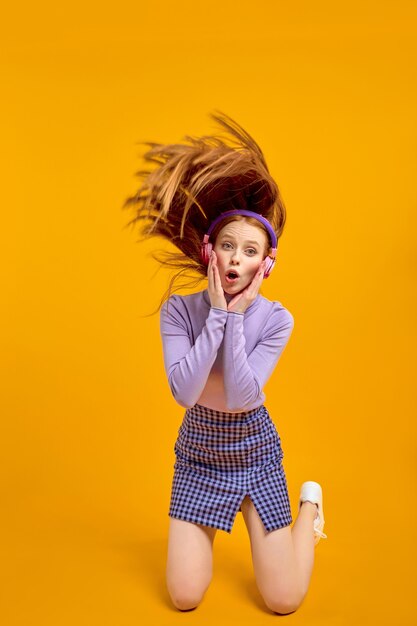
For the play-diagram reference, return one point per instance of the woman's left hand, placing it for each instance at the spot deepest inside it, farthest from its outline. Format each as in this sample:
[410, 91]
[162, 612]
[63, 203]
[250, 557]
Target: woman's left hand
[240, 303]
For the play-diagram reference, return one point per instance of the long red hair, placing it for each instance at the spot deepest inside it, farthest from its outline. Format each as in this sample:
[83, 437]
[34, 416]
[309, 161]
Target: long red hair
[191, 183]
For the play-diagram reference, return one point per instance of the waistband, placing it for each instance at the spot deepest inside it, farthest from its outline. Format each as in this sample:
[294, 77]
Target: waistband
[204, 414]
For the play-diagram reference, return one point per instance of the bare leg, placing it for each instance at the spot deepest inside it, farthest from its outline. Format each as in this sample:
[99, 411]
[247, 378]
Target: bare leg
[282, 559]
[303, 542]
[189, 562]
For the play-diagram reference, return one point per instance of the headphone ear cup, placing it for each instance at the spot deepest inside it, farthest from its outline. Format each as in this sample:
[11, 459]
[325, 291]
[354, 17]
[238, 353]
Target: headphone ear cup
[270, 263]
[206, 249]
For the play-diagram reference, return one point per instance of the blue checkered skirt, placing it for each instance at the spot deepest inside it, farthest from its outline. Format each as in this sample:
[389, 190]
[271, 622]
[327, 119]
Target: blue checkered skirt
[221, 458]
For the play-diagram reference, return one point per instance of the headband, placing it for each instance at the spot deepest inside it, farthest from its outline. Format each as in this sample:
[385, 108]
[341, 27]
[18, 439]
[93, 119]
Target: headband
[257, 216]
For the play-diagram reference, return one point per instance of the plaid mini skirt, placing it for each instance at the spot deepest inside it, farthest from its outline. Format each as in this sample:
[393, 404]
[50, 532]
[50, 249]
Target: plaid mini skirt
[222, 457]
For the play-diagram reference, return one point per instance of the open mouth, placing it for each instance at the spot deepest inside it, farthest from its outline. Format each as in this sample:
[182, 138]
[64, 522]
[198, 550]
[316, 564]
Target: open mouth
[232, 277]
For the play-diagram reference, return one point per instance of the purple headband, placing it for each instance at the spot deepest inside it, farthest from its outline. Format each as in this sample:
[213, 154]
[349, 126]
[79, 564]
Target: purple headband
[257, 216]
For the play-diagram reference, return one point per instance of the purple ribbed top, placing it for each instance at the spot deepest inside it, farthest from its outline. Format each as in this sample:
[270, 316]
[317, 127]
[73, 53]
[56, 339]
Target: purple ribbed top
[221, 359]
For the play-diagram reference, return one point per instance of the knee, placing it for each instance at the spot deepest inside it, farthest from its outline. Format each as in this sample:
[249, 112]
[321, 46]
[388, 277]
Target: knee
[186, 597]
[284, 604]
[185, 602]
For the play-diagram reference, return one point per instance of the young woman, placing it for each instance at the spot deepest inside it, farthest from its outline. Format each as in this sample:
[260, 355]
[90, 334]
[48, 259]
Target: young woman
[214, 198]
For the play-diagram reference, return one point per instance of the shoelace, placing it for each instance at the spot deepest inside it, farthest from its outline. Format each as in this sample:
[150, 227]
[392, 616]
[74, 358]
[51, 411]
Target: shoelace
[320, 533]
[317, 530]
[317, 522]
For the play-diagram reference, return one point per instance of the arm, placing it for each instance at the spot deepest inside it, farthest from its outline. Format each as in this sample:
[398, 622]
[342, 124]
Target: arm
[188, 366]
[245, 376]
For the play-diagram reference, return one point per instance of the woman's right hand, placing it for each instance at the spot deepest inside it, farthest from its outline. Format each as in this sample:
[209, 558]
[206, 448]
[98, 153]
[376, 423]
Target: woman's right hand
[215, 289]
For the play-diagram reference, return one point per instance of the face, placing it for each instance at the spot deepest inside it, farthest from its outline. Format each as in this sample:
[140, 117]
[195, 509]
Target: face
[240, 247]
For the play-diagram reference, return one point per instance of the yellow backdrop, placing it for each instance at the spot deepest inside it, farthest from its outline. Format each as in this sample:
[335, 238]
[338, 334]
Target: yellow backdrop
[88, 422]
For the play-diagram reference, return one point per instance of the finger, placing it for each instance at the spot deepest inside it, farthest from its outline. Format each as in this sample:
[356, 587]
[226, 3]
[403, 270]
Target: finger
[259, 274]
[210, 264]
[261, 270]
[257, 280]
[210, 274]
[213, 276]
[217, 277]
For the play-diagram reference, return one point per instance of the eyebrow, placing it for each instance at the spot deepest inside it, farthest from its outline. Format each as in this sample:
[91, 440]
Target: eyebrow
[226, 236]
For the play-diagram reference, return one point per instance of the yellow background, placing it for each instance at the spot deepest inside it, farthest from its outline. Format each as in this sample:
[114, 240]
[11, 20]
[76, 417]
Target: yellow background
[88, 422]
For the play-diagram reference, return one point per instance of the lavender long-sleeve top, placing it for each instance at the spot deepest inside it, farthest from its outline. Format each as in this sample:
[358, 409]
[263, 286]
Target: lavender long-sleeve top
[222, 359]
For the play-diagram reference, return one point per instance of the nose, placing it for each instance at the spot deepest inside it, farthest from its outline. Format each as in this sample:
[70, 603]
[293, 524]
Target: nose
[235, 256]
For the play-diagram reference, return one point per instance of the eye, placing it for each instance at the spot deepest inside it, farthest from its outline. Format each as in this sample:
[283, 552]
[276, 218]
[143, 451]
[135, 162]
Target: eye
[251, 251]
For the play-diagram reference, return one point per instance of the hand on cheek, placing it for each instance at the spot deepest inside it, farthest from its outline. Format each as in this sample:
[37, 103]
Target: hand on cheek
[240, 303]
[215, 288]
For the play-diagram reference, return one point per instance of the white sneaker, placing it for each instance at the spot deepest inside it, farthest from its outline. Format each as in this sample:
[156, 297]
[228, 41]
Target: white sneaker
[311, 492]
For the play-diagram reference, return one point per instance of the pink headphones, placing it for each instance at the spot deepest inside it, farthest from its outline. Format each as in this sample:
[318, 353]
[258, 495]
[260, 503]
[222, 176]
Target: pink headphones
[207, 247]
